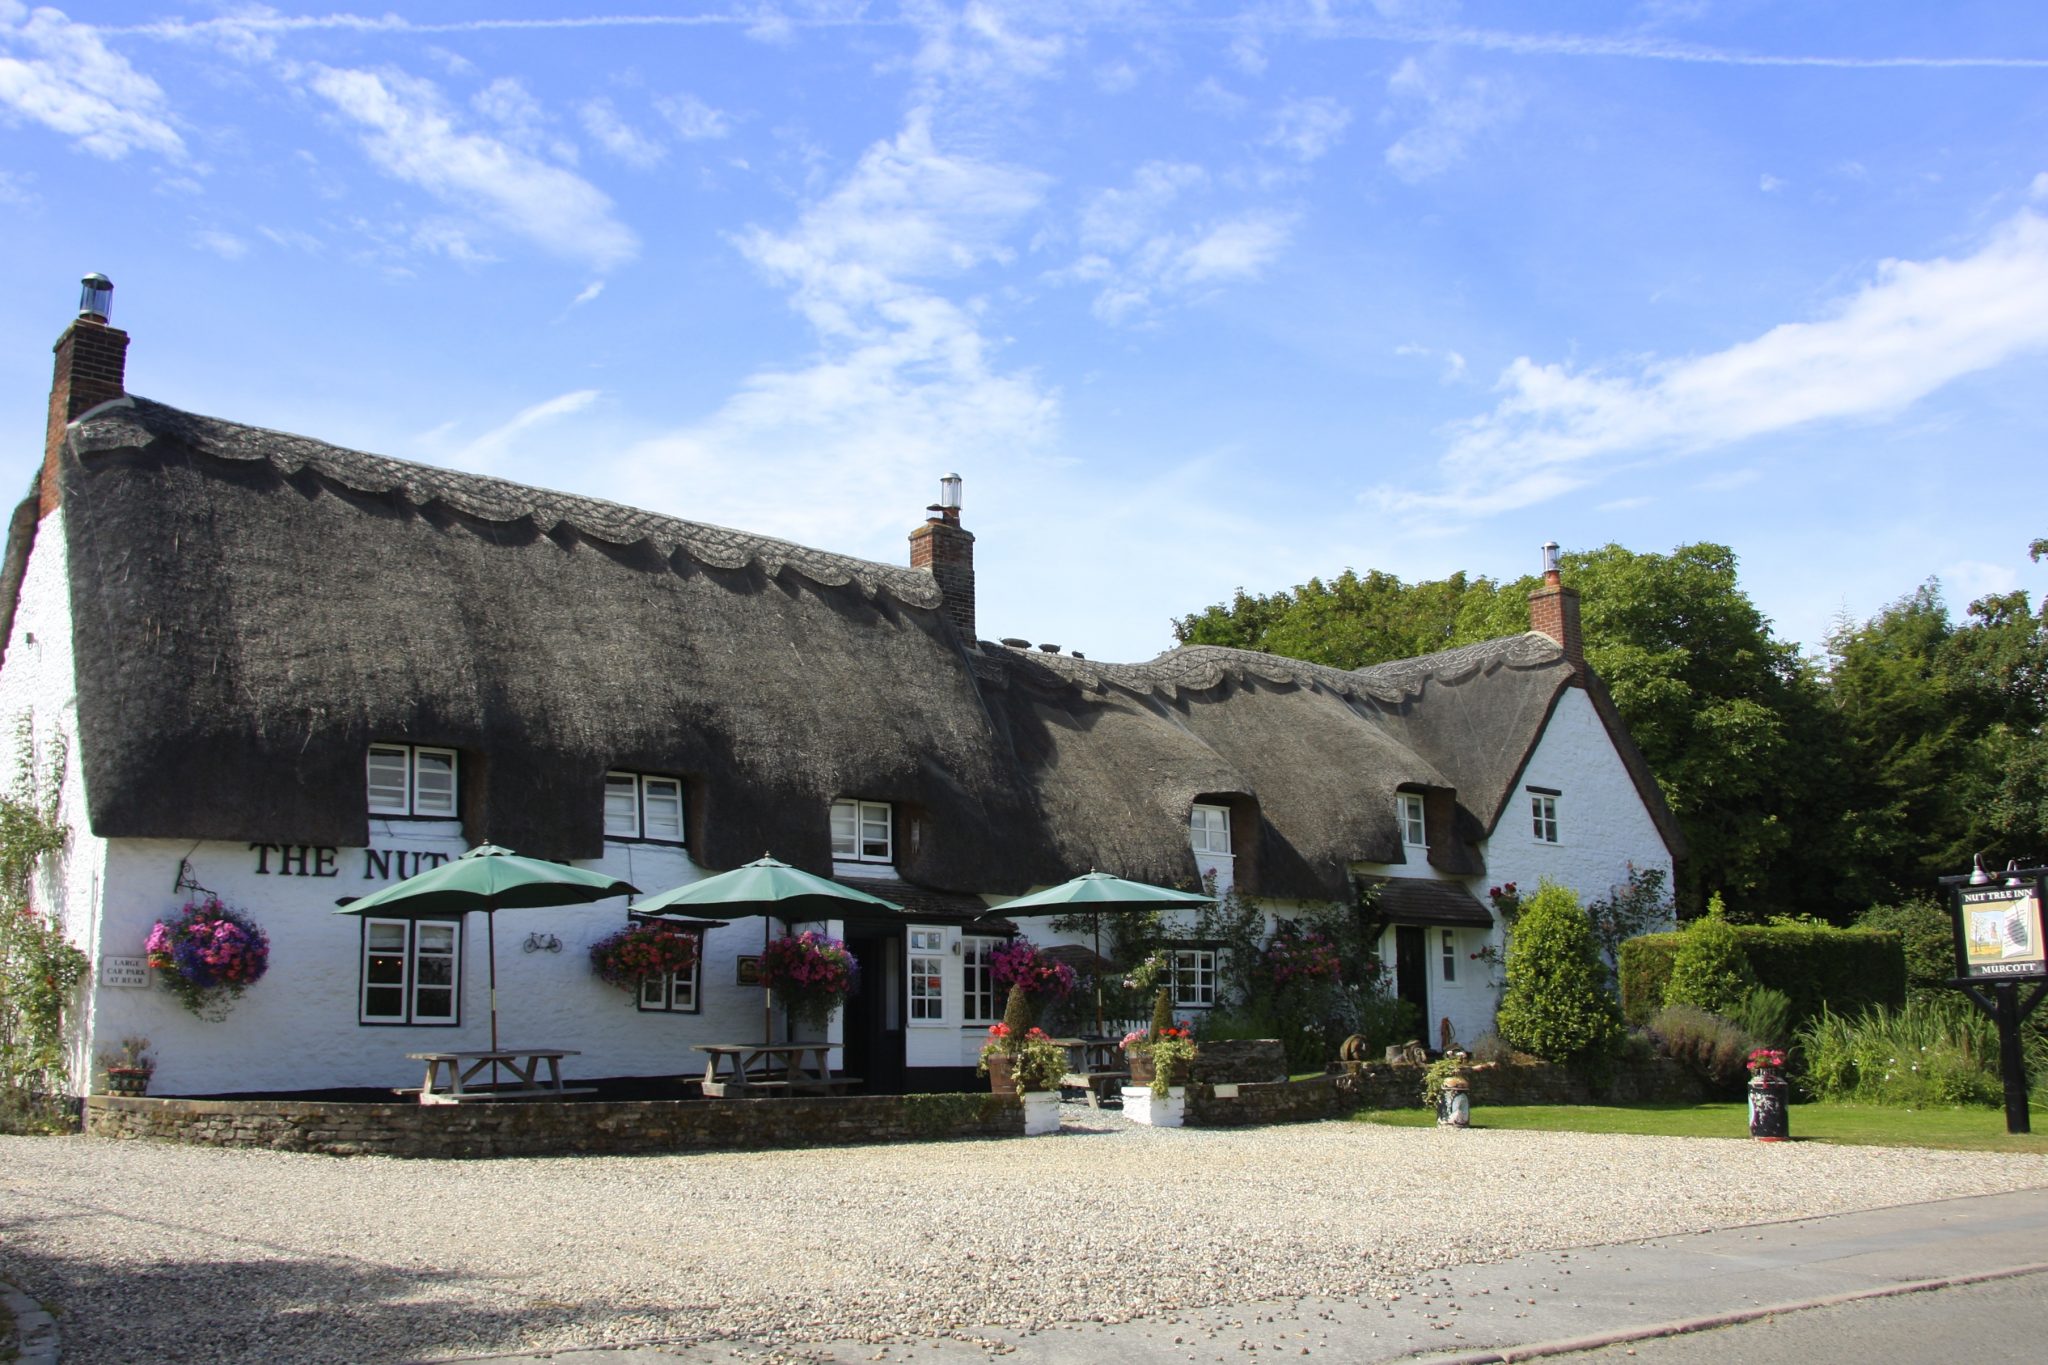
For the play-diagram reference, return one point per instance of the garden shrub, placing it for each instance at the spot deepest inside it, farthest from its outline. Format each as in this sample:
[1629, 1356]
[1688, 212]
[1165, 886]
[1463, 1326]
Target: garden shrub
[1846, 970]
[1925, 933]
[1705, 1043]
[1934, 1051]
[1711, 970]
[1765, 1015]
[1557, 1005]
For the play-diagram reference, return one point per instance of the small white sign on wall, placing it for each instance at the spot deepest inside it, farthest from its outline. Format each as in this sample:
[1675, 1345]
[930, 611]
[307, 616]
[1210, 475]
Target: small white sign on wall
[129, 972]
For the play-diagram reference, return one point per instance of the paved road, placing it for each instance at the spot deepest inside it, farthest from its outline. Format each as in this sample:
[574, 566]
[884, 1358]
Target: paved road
[1488, 1312]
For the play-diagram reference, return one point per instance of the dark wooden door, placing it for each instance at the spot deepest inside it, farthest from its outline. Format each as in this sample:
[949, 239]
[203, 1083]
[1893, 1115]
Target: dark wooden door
[874, 1028]
[1411, 974]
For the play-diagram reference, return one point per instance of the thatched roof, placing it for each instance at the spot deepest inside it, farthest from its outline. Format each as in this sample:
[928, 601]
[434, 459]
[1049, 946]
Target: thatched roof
[252, 609]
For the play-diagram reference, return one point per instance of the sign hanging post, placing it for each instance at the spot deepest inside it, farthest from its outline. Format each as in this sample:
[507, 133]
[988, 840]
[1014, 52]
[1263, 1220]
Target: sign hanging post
[2002, 963]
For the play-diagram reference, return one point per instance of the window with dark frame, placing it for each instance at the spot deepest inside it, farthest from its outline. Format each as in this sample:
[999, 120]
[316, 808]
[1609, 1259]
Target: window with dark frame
[677, 992]
[411, 972]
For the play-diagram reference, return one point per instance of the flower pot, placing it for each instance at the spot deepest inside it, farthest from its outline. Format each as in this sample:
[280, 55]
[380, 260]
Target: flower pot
[127, 1080]
[1142, 1070]
[1000, 1081]
[1041, 1112]
[1159, 1111]
[1770, 1118]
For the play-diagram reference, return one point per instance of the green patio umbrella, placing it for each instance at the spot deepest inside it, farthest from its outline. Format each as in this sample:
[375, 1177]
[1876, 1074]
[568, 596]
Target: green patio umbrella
[1096, 892]
[767, 887]
[490, 879]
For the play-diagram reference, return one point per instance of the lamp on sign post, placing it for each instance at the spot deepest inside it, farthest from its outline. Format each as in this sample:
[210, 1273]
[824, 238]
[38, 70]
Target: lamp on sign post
[2002, 962]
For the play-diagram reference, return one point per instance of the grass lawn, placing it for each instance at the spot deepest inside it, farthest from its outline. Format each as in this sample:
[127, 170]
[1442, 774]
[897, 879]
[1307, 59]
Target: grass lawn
[1977, 1130]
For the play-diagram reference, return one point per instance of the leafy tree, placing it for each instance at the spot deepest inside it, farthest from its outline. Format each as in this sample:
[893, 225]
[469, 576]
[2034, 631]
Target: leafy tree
[1348, 622]
[1557, 1004]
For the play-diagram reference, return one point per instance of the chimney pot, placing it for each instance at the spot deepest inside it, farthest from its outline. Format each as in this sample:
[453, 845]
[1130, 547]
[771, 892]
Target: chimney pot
[1554, 611]
[945, 550]
[96, 298]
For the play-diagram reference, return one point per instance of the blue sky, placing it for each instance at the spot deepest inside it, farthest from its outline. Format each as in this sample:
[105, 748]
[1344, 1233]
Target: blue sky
[1193, 296]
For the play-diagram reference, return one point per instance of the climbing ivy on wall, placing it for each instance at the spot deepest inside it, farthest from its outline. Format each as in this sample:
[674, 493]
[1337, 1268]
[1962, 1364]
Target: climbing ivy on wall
[39, 968]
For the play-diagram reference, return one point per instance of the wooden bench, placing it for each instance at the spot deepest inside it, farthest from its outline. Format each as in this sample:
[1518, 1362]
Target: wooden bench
[1099, 1084]
[767, 1088]
[478, 1096]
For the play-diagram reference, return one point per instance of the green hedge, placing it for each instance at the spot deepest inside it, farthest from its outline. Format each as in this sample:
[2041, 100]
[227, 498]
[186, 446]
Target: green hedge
[1847, 970]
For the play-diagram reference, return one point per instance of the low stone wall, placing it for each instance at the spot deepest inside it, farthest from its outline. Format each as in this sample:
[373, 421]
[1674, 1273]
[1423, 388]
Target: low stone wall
[1236, 1061]
[1384, 1085]
[555, 1129]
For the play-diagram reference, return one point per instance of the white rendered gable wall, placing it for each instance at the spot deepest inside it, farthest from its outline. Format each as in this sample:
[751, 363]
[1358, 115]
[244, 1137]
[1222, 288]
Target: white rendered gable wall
[38, 685]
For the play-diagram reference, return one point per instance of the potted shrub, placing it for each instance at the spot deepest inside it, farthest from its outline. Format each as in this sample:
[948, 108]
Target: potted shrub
[642, 952]
[811, 975]
[129, 1067]
[1021, 1060]
[1161, 1060]
[208, 956]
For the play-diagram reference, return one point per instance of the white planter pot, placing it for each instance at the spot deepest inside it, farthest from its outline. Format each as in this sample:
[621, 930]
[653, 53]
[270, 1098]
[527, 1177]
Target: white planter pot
[1167, 1111]
[1041, 1112]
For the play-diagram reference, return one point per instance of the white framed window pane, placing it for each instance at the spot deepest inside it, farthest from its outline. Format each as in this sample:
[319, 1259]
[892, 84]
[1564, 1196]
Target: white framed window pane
[389, 789]
[653, 994]
[927, 988]
[433, 782]
[1413, 830]
[845, 840]
[1543, 810]
[1194, 976]
[621, 805]
[980, 995]
[1211, 829]
[384, 971]
[927, 940]
[1450, 955]
[434, 973]
[661, 808]
[683, 987]
[874, 830]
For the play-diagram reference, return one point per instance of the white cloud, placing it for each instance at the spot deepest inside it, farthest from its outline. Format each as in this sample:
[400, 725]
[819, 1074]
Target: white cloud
[481, 454]
[589, 294]
[225, 245]
[61, 75]
[2040, 186]
[1142, 250]
[1306, 129]
[693, 119]
[905, 385]
[979, 46]
[1452, 117]
[1116, 78]
[1214, 97]
[1769, 184]
[15, 189]
[1916, 326]
[1248, 54]
[616, 136]
[412, 135]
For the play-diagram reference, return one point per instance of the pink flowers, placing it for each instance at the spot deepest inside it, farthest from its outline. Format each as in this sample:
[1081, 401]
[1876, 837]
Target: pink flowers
[642, 952]
[1301, 957]
[208, 956]
[810, 973]
[1020, 962]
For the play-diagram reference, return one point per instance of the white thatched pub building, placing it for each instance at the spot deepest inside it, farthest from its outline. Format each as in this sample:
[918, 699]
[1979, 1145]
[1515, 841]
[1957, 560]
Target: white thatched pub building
[286, 673]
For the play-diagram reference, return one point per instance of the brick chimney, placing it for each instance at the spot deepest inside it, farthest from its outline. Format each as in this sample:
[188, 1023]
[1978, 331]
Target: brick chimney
[945, 550]
[1554, 611]
[91, 359]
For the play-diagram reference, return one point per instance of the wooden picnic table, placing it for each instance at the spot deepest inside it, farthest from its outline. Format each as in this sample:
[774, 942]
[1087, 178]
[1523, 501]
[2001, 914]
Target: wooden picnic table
[1095, 1065]
[736, 1071]
[461, 1070]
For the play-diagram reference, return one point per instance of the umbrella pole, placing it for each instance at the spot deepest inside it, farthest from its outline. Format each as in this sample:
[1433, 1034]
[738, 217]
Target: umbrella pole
[1098, 973]
[491, 944]
[767, 996]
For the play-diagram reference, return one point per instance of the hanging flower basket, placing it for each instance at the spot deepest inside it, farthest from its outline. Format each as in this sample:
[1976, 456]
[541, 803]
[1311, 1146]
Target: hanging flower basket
[640, 953]
[208, 956]
[1020, 962]
[811, 975]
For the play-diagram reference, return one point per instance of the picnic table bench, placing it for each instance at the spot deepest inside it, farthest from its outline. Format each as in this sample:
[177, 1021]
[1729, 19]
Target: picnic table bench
[1094, 1064]
[452, 1076]
[761, 1070]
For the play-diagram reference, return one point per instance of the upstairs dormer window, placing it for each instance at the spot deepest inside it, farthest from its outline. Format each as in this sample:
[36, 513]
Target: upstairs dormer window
[643, 806]
[861, 832]
[1209, 828]
[1414, 829]
[409, 779]
[1543, 813]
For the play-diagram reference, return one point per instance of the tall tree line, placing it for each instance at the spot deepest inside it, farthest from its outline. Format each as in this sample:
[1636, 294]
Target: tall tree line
[1804, 785]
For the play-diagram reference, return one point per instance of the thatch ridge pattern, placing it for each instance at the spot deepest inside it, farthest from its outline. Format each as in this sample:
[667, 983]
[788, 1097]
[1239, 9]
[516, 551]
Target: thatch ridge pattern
[135, 423]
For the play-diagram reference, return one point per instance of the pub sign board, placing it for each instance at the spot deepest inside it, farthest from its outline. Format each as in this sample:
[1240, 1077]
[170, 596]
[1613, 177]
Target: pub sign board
[1999, 929]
